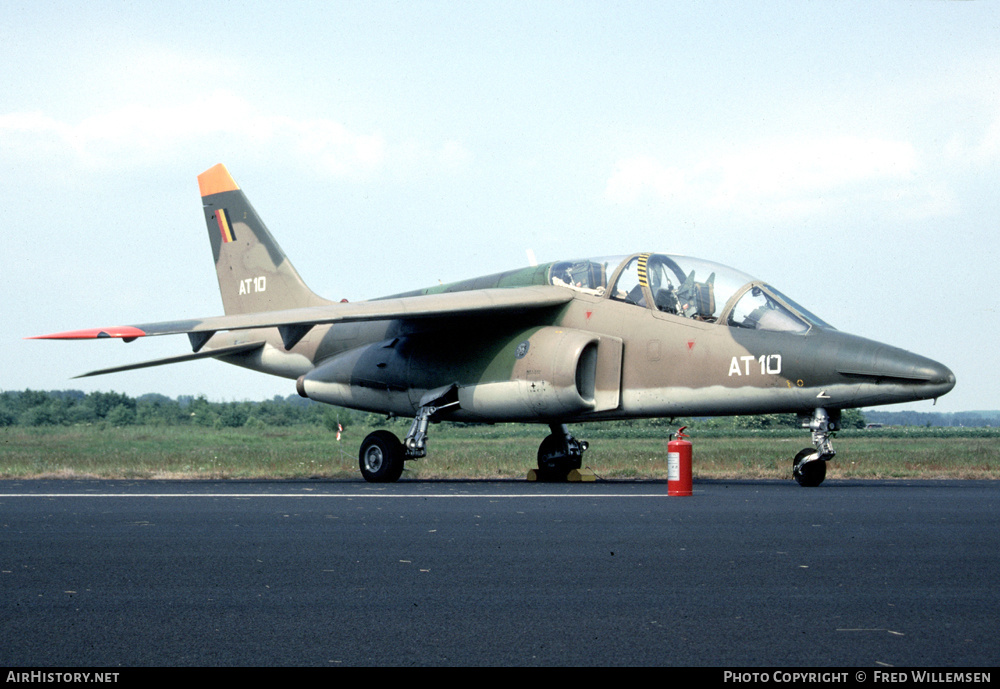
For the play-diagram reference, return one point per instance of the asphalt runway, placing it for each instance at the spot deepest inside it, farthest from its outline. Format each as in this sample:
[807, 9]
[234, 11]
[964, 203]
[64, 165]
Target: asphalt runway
[323, 573]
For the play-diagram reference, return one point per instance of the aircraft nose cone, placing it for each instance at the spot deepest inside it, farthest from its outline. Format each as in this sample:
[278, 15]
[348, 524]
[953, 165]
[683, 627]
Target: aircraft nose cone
[928, 378]
[912, 368]
[911, 376]
[938, 374]
[941, 376]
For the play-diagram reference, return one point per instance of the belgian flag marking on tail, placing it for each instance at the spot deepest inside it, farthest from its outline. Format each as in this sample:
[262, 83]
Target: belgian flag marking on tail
[225, 227]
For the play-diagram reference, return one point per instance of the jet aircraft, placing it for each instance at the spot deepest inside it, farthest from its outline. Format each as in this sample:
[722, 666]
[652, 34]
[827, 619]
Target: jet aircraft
[636, 336]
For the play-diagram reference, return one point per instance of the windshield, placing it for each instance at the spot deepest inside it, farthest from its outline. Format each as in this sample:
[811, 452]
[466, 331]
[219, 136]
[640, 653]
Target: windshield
[758, 310]
[685, 286]
[808, 315]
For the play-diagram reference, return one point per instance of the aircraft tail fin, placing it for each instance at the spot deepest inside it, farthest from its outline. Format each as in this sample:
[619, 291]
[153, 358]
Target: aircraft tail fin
[254, 274]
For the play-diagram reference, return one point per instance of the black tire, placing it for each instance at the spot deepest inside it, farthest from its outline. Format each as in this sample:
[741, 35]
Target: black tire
[381, 458]
[554, 456]
[808, 474]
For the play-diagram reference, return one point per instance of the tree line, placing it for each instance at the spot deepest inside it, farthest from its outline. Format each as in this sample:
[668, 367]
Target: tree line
[74, 407]
[969, 419]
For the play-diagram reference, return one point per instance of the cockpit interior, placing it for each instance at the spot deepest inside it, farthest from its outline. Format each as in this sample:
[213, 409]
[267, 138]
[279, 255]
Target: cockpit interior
[686, 287]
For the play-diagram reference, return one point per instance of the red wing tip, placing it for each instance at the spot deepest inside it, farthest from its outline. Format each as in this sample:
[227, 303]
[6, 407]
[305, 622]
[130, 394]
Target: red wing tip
[126, 332]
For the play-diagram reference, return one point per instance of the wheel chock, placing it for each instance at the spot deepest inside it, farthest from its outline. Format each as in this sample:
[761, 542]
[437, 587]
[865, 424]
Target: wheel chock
[536, 475]
[546, 476]
[574, 475]
[581, 476]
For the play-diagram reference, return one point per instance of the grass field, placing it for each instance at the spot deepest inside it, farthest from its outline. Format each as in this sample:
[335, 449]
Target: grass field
[476, 452]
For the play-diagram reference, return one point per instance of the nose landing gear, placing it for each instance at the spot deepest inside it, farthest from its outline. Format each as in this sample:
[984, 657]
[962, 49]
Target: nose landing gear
[809, 465]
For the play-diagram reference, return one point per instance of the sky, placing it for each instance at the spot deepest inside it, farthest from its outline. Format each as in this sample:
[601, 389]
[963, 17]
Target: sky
[846, 152]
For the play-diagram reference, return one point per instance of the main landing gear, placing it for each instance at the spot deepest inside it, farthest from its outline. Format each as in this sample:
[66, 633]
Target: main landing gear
[381, 457]
[559, 454]
[382, 454]
[809, 465]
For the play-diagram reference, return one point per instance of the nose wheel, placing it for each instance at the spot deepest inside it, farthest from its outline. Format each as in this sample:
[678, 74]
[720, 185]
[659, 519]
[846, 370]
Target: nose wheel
[808, 474]
[809, 465]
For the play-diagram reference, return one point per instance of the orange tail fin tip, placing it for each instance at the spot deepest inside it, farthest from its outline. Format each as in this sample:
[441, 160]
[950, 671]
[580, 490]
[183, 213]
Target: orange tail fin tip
[216, 180]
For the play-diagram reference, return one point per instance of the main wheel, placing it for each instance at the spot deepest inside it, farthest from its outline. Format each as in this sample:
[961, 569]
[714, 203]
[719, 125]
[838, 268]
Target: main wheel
[808, 474]
[381, 457]
[555, 456]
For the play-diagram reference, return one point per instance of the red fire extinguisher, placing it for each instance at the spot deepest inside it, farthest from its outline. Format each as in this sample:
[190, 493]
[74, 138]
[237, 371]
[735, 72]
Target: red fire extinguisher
[679, 465]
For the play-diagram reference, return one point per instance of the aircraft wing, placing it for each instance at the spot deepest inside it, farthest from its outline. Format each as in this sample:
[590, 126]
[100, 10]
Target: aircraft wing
[293, 324]
[207, 354]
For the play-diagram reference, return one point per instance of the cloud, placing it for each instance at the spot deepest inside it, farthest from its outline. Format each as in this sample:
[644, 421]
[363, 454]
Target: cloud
[791, 175]
[139, 134]
[641, 175]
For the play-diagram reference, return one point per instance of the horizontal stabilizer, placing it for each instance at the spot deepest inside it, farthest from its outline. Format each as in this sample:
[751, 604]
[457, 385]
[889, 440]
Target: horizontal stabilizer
[125, 332]
[296, 322]
[208, 354]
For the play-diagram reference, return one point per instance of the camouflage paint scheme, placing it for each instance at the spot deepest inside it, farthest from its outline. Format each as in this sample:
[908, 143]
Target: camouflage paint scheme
[645, 335]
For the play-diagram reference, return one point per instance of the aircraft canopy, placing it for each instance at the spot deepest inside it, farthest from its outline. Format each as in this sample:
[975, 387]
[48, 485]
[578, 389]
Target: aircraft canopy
[688, 287]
